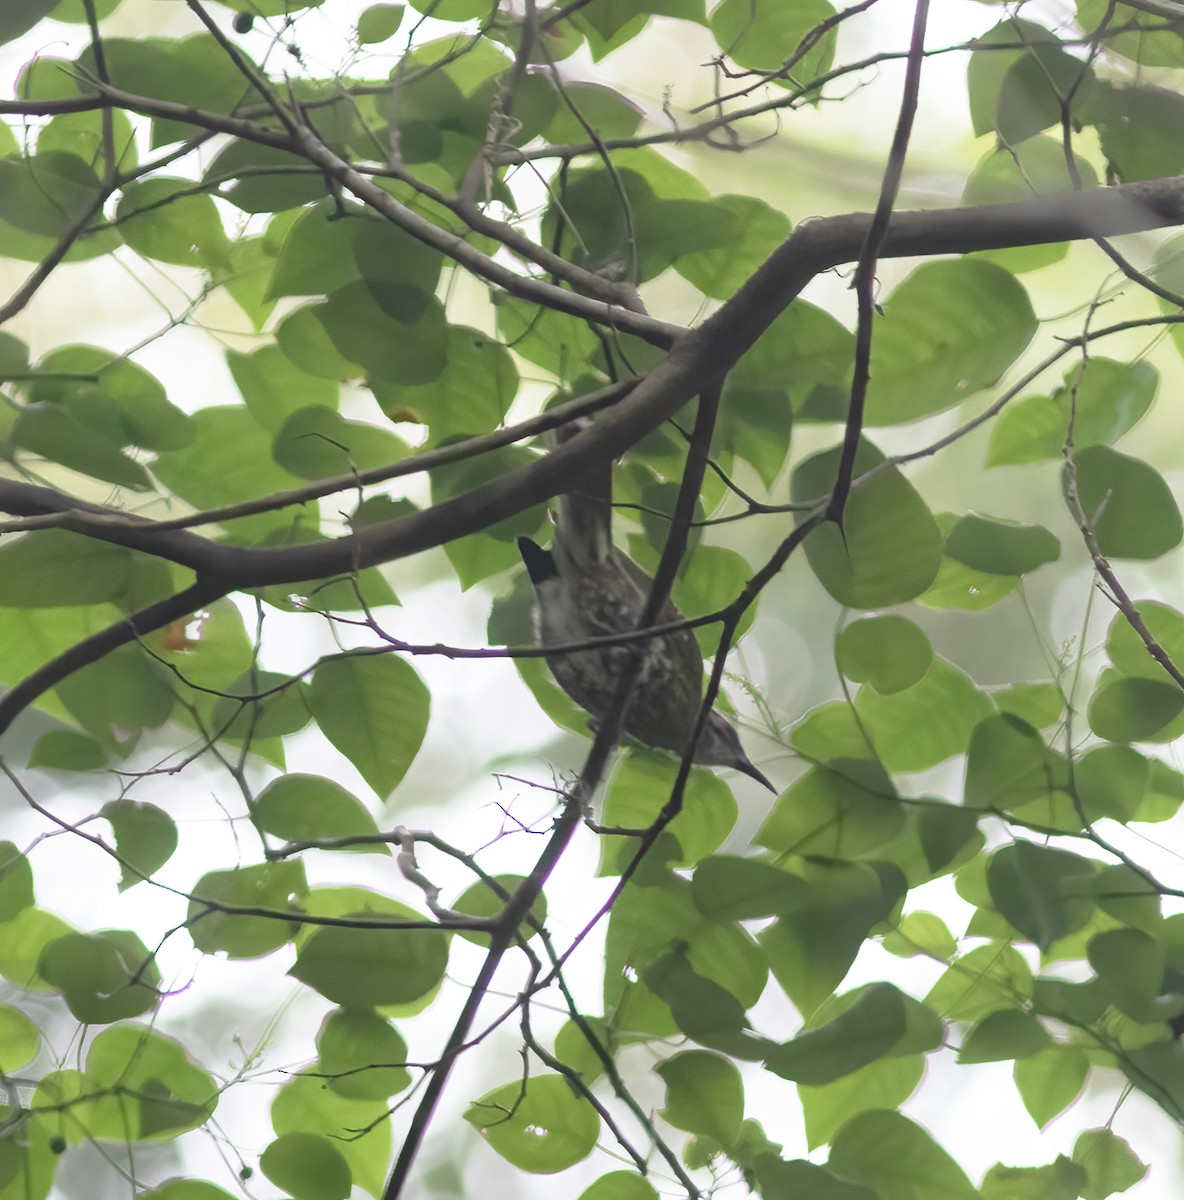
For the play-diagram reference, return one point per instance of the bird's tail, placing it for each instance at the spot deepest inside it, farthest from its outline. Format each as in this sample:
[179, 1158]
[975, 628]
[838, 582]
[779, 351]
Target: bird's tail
[583, 512]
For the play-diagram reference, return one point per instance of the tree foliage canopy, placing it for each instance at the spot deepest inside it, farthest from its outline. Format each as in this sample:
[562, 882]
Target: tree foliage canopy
[420, 236]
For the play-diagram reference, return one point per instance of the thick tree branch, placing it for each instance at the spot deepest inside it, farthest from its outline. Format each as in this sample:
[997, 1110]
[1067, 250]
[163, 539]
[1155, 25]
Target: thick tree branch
[704, 353]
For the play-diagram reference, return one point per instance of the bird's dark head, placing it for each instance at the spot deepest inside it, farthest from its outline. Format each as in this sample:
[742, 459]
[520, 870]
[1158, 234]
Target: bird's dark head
[719, 746]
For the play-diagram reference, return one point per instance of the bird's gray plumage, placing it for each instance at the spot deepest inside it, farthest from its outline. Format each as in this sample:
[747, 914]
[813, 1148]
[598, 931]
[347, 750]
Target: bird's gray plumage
[588, 588]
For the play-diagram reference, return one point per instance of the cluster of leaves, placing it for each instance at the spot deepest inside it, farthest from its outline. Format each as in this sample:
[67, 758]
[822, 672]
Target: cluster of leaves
[181, 152]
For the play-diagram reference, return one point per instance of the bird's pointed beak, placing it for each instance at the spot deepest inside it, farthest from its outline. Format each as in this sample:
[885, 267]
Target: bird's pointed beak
[746, 768]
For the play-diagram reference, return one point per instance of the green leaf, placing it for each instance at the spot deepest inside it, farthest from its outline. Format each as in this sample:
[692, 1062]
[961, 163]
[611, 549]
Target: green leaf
[481, 899]
[229, 436]
[762, 34]
[1130, 965]
[884, 1084]
[114, 396]
[301, 808]
[957, 586]
[997, 53]
[981, 981]
[145, 838]
[21, 17]
[882, 1022]
[811, 949]
[1157, 1069]
[925, 724]
[1042, 891]
[539, 1125]
[263, 179]
[620, 1185]
[193, 71]
[1105, 398]
[149, 1088]
[704, 1094]
[1129, 653]
[638, 788]
[471, 395]
[58, 435]
[921, 933]
[56, 568]
[187, 1189]
[104, 977]
[1048, 1082]
[726, 888]
[894, 1157]
[246, 279]
[890, 653]
[949, 330]
[25, 937]
[394, 331]
[369, 966]
[26, 183]
[1007, 764]
[317, 255]
[718, 273]
[1165, 794]
[379, 22]
[389, 258]
[374, 709]
[307, 1167]
[362, 1054]
[16, 881]
[67, 750]
[273, 887]
[1133, 710]
[1062, 1180]
[840, 812]
[1111, 781]
[1127, 503]
[273, 389]
[1004, 1035]
[998, 547]
[307, 1106]
[1036, 704]
[1157, 114]
[314, 443]
[1078, 1003]
[161, 218]
[20, 1039]
[704, 1010]
[305, 342]
[259, 705]
[1110, 1163]
[889, 548]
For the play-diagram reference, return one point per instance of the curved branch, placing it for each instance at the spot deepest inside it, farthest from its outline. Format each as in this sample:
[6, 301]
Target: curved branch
[704, 353]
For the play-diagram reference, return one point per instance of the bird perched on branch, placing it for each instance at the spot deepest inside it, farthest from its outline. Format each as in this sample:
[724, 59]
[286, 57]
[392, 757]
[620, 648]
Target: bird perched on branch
[588, 588]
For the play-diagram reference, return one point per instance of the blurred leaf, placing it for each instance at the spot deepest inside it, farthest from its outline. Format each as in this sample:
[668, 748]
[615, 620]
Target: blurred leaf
[1129, 506]
[949, 330]
[890, 1154]
[145, 838]
[1049, 1081]
[704, 1094]
[362, 1054]
[889, 547]
[299, 807]
[374, 709]
[369, 966]
[1110, 1163]
[538, 1124]
[274, 888]
[889, 653]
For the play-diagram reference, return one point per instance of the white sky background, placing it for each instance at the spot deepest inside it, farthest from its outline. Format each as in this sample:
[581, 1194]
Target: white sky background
[481, 712]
